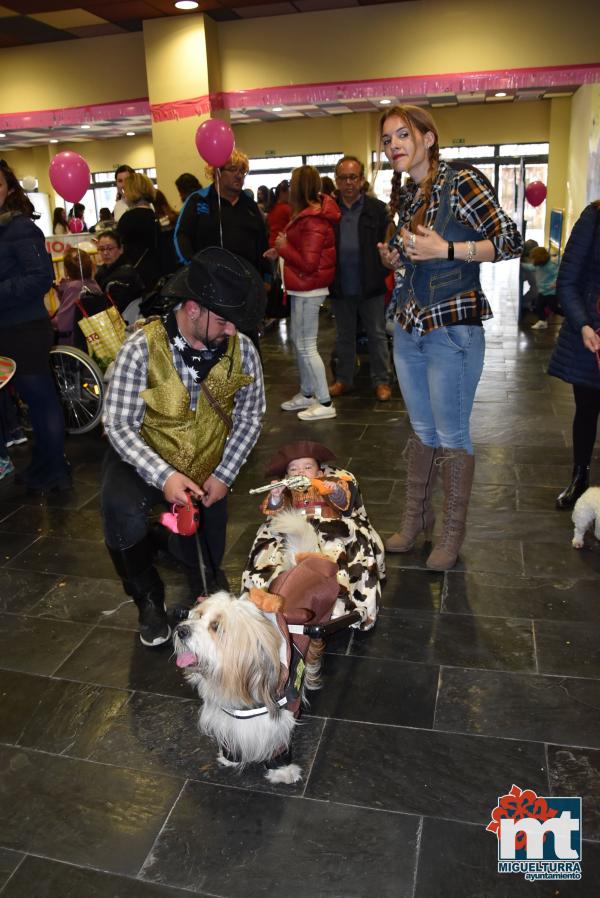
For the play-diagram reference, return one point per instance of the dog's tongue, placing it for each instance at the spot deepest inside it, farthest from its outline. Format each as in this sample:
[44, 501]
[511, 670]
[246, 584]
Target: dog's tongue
[186, 659]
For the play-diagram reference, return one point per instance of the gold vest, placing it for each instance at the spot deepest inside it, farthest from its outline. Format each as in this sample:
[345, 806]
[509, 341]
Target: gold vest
[191, 441]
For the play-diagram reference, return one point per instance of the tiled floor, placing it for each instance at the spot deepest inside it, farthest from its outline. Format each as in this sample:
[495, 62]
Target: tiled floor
[472, 681]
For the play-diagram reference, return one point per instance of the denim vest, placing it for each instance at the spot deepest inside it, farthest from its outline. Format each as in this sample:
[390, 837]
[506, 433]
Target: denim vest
[436, 280]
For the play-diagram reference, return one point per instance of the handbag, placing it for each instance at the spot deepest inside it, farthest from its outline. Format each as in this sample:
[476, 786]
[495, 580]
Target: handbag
[104, 332]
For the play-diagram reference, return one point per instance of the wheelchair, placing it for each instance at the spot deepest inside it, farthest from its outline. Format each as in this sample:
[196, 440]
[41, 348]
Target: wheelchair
[80, 386]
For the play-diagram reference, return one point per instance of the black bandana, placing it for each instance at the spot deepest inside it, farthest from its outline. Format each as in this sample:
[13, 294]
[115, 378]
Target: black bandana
[197, 361]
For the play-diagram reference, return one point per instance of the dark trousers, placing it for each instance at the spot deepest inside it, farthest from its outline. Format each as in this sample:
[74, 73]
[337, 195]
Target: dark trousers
[585, 423]
[126, 499]
[47, 421]
[371, 311]
[545, 304]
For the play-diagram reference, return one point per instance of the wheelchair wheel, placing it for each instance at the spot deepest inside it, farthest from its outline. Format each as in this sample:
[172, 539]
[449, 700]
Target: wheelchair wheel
[80, 388]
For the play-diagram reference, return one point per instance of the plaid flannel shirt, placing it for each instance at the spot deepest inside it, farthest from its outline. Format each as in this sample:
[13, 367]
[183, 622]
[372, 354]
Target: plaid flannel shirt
[124, 411]
[473, 203]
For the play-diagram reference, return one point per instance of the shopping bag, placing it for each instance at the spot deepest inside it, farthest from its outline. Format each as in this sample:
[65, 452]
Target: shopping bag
[104, 332]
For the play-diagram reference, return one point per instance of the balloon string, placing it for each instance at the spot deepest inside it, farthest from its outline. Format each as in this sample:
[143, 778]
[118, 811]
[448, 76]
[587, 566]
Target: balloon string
[218, 178]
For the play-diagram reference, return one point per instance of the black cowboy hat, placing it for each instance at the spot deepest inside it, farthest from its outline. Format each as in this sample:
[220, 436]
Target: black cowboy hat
[222, 282]
[277, 465]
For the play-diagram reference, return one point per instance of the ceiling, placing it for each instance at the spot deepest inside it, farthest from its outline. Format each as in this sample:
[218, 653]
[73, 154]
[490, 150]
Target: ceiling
[42, 21]
[141, 124]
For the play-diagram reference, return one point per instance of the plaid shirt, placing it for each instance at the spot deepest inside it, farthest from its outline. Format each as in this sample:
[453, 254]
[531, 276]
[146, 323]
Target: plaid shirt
[472, 203]
[124, 411]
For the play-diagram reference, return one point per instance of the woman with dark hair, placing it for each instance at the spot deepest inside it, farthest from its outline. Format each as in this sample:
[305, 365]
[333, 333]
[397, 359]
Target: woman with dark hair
[449, 222]
[576, 357]
[60, 224]
[114, 275]
[186, 184]
[328, 186]
[26, 334]
[280, 212]
[307, 247]
[263, 199]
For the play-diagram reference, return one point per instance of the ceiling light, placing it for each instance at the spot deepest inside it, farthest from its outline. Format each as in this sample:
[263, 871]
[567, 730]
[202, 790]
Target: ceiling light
[130, 133]
[500, 93]
[186, 4]
[277, 108]
[85, 127]
[385, 102]
[53, 140]
[2, 135]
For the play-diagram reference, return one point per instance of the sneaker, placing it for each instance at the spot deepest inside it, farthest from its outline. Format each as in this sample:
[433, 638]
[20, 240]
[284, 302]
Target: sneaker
[317, 411]
[6, 467]
[16, 438]
[298, 402]
[154, 626]
[539, 325]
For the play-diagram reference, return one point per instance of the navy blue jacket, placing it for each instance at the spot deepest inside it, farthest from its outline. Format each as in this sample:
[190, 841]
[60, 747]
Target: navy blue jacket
[372, 228]
[26, 272]
[578, 289]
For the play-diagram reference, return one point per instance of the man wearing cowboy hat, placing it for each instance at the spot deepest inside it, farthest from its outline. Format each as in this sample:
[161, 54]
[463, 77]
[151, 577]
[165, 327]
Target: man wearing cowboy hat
[182, 413]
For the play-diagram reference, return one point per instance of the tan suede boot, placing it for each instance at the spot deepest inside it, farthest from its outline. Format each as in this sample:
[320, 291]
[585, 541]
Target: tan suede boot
[458, 467]
[418, 515]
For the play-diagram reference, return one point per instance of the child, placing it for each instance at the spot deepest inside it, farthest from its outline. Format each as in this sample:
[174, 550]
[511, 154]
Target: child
[69, 290]
[335, 509]
[545, 275]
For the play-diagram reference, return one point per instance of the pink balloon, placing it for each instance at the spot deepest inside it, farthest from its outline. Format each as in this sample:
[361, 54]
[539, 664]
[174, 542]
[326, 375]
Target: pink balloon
[535, 193]
[75, 225]
[69, 175]
[215, 141]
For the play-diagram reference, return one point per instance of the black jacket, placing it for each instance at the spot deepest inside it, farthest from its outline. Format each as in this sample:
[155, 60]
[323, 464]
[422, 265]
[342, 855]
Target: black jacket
[578, 289]
[372, 227]
[244, 229]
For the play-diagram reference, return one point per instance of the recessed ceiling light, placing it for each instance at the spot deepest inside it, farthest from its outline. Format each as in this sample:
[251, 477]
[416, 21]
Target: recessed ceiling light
[385, 102]
[500, 93]
[130, 133]
[186, 4]
[85, 127]
[277, 108]
[53, 140]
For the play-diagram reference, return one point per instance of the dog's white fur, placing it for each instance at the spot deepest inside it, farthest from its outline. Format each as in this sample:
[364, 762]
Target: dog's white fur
[298, 534]
[585, 513]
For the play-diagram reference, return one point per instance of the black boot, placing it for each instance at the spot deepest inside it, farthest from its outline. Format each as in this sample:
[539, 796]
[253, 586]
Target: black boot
[142, 582]
[578, 486]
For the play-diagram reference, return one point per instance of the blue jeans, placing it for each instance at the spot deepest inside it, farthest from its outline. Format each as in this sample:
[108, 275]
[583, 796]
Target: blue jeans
[305, 328]
[438, 374]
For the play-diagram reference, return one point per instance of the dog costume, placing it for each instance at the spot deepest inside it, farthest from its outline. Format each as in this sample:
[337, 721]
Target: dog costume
[344, 533]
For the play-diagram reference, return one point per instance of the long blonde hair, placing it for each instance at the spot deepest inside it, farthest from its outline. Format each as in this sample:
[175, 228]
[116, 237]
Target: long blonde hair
[417, 119]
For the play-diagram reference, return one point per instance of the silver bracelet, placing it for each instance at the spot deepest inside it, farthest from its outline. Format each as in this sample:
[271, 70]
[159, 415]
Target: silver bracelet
[471, 250]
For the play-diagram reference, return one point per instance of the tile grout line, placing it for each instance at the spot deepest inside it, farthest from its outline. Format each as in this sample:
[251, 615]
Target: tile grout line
[160, 832]
[21, 862]
[417, 855]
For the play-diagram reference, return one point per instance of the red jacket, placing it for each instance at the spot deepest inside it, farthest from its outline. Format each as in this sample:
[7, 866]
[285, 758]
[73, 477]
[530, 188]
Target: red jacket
[277, 220]
[309, 251]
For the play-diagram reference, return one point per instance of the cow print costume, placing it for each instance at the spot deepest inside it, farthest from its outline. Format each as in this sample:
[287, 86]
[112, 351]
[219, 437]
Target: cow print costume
[348, 538]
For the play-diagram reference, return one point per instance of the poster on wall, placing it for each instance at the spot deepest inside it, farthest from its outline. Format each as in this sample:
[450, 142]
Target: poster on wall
[593, 178]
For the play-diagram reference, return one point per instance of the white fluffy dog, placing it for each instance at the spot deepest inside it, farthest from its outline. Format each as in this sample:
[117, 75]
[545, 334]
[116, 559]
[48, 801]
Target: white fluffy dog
[235, 654]
[586, 513]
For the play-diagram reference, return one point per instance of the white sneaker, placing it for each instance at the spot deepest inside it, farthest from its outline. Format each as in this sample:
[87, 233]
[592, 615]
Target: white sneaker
[317, 411]
[539, 326]
[298, 402]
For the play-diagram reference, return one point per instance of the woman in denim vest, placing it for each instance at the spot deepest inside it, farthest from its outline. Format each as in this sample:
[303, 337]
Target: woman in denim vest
[449, 221]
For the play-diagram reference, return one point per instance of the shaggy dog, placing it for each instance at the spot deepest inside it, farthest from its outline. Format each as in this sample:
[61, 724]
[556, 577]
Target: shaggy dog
[586, 513]
[239, 656]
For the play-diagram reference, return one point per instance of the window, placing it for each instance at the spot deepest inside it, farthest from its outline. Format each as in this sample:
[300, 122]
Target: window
[270, 170]
[101, 194]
